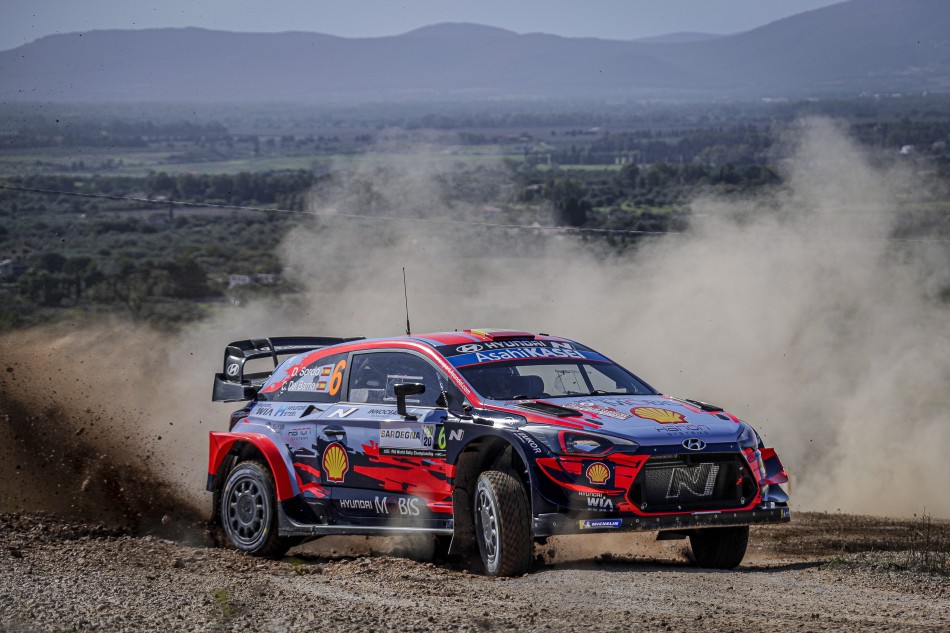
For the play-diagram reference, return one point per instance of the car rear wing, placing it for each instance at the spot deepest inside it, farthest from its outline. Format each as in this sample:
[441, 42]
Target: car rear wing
[233, 385]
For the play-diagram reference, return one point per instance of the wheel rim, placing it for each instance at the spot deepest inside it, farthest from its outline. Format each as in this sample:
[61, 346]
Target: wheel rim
[488, 524]
[247, 511]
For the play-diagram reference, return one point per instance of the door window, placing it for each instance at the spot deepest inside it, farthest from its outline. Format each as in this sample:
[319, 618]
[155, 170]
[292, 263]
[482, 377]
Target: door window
[374, 375]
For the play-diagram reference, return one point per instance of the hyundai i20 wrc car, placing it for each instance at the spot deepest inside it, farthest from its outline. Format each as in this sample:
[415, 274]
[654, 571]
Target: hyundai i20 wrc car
[487, 440]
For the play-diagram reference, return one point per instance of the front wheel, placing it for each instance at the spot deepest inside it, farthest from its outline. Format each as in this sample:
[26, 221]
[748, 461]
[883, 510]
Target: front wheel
[720, 548]
[248, 512]
[502, 524]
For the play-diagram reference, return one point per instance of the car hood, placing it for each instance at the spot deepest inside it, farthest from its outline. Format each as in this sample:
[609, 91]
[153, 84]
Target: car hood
[648, 420]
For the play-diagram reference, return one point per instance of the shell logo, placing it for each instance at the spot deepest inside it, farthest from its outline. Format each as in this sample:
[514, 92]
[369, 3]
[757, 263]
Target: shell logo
[335, 462]
[597, 473]
[660, 416]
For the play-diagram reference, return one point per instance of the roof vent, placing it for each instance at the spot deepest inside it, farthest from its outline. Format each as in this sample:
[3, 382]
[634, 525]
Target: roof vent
[494, 334]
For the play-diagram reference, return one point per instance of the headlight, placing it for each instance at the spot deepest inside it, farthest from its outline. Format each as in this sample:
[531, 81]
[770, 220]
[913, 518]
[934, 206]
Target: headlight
[568, 442]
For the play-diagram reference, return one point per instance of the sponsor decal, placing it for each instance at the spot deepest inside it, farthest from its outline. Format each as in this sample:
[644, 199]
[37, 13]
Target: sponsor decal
[387, 413]
[335, 462]
[356, 504]
[406, 506]
[658, 415]
[456, 435]
[597, 501]
[529, 441]
[602, 504]
[342, 412]
[684, 429]
[471, 353]
[597, 473]
[526, 353]
[471, 348]
[699, 481]
[264, 410]
[298, 437]
[411, 452]
[233, 369]
[598, 524]
[412, 440]
[598, 409]
[398, 434]
[289, 411]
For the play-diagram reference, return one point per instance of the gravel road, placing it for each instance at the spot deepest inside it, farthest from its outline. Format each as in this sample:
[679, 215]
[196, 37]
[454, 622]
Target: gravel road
[822, 572]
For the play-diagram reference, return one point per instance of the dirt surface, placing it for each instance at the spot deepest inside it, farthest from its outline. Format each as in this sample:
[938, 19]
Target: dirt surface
[821, 572]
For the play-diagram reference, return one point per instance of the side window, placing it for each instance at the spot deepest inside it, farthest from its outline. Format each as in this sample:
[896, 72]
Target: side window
[373, 376]
[313, 381]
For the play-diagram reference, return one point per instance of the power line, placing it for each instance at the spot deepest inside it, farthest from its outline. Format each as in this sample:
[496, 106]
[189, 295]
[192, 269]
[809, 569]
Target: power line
[355, 216]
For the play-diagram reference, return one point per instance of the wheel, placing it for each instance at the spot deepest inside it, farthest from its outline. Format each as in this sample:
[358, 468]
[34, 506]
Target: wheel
[502, 524]
[248, 513]
[719, 548]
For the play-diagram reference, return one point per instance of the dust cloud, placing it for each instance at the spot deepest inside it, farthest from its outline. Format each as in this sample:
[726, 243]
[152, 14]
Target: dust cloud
[794, 311]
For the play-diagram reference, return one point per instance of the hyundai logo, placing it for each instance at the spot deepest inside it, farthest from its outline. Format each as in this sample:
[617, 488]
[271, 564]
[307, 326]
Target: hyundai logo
[694, 444]
[468, 349]
[233, 369]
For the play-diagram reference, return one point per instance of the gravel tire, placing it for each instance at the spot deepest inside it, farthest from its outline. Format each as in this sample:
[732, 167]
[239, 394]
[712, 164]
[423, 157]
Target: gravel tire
[249, 511]
[719, 548]
[502, 524]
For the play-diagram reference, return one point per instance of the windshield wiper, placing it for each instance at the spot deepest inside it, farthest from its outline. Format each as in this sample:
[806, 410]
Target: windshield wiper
[601, 392]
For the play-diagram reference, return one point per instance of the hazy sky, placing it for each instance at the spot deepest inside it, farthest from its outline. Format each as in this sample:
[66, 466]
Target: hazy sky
[23, 21]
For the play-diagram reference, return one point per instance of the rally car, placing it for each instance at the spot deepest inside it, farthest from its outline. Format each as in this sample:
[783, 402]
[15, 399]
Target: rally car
[483, 439]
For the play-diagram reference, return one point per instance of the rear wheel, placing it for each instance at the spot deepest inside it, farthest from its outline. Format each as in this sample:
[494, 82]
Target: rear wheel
[719, 548]
[502, 524]
[248, 511]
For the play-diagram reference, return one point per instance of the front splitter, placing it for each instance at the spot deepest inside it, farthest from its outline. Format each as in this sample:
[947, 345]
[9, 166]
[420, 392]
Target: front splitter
[556, 523]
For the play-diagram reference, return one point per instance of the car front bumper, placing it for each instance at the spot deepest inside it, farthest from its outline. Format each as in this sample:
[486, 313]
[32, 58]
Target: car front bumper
[556, 523]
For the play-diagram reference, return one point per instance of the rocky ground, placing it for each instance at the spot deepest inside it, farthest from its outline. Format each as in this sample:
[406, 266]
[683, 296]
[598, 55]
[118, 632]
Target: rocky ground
[821, 572]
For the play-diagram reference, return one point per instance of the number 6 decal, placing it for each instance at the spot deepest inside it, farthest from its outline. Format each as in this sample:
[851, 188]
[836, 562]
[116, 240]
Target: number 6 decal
[336, 379]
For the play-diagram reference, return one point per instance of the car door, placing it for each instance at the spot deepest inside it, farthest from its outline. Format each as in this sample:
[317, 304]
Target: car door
[396, 471]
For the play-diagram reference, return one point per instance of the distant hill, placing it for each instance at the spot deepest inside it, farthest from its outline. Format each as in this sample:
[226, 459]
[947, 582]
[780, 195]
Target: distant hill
[678, 38]
[843, 49]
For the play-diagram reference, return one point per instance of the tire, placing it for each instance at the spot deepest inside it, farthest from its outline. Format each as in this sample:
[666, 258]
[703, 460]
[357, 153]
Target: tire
[719, 548]
[249, 512]
[502, 524]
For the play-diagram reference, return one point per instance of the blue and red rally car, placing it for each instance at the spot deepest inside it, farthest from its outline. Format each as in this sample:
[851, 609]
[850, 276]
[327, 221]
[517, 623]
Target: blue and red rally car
[487, 439]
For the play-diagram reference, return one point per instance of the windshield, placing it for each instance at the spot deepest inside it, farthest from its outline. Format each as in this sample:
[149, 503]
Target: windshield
[532, 380]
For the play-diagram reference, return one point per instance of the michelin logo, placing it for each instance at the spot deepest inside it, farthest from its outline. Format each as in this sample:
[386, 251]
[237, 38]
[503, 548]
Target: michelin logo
[599, 524]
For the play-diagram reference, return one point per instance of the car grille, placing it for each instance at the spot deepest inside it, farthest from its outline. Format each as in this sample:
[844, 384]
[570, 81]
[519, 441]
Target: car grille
[693, 482]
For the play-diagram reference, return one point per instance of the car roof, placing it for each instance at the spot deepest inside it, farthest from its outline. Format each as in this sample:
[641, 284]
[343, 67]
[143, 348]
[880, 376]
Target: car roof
[480, 335]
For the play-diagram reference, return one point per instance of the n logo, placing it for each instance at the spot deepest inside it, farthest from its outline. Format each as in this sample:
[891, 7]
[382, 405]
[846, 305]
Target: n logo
[699, 481]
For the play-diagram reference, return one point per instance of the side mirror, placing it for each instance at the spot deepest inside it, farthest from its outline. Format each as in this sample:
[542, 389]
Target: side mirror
[404, 389]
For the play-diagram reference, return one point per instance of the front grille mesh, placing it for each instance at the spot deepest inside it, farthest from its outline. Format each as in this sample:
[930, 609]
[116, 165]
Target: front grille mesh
[693, 482]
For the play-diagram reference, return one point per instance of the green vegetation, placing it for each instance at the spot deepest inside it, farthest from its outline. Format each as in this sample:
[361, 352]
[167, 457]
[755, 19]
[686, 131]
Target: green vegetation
[225, 607]
[629, 170]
